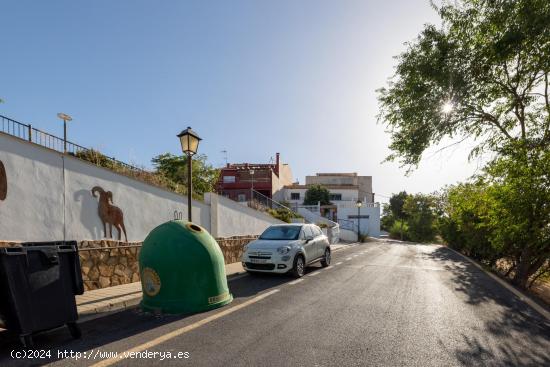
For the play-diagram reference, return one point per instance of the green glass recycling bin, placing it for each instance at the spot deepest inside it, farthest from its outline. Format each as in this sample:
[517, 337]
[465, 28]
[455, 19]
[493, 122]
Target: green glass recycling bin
[182, 270]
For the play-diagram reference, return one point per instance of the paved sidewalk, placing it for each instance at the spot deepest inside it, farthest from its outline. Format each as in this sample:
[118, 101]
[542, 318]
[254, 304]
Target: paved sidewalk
[97, 303]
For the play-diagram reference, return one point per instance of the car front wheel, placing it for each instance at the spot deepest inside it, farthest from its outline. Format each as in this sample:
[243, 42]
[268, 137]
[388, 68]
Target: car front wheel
[299, 267]
[325, 261]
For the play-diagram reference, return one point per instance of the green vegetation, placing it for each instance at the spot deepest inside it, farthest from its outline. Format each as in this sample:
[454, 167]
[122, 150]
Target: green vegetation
[174, 168]
[170, 171]
[316, 194]
[285, 215]
[411, 217]
[482, 77]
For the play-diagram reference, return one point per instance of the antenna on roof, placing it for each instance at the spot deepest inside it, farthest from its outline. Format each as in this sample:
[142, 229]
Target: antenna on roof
[224, 152]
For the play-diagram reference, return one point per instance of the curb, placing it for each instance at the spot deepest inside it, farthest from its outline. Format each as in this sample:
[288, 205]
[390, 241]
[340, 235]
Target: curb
[129, 301]
[126, 302]
[524, 298]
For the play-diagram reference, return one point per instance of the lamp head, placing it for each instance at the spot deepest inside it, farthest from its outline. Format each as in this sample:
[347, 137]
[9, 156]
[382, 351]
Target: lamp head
[189, 141]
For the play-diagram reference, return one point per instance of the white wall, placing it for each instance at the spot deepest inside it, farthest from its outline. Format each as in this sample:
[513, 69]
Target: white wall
[347, 235]
[229, 218]
[144, 206]
[370, 226]
[33, 208]
[45, 186]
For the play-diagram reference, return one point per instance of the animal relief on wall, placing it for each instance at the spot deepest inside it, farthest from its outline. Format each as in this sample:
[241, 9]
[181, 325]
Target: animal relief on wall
[108, 213]
[3, 182]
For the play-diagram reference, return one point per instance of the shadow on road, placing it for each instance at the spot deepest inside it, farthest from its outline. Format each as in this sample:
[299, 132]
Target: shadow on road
[524, 334]
[100, 332]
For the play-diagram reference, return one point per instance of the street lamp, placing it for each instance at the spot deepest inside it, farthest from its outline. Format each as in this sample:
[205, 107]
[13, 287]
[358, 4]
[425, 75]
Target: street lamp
[359, 204]
[189, 145]
[65, 118]
[252, 190]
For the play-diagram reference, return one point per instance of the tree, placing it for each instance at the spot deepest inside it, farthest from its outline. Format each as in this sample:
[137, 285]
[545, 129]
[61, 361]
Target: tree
[484, 75]
[315, 194]
[464, 224]
[419, 210]
[397, 201]
[520, 211]
[505, 213]
[387, 220]
[174, 168]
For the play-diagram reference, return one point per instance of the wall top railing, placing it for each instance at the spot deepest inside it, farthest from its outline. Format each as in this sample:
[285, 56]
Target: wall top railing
[27, 132]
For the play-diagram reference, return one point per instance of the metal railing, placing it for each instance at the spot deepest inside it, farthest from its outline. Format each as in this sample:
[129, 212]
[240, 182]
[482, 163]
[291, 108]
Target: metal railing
[261, 202]
[47, 140]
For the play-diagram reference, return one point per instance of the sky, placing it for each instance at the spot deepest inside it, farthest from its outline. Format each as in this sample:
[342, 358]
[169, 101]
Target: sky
[251, 77]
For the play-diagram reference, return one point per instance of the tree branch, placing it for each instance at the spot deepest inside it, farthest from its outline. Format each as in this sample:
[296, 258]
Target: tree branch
[547, 102]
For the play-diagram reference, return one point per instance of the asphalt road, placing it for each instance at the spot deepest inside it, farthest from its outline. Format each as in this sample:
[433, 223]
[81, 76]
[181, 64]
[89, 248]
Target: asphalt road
[379, 304]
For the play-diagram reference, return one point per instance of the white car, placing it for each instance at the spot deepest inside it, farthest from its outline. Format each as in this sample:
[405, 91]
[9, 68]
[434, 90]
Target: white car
[286, 248]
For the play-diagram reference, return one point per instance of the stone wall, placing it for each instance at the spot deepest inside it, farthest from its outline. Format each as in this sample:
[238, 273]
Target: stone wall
[232, 247]
[106, 263]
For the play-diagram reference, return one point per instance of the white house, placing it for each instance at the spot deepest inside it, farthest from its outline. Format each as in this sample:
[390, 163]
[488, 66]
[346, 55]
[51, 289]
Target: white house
[346, 189]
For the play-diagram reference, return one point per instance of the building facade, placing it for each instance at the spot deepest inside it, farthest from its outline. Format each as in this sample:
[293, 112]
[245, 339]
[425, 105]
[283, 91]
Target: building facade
[345, 190]
[238, 181]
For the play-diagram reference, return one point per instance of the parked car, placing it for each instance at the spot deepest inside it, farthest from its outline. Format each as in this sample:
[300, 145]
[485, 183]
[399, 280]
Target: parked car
[284, 248]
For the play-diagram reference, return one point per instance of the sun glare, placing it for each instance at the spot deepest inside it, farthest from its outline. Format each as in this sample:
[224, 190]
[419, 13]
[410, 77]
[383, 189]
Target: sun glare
[447, 107]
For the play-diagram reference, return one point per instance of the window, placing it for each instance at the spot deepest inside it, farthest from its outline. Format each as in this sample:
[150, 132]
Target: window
[317, 231]
[281, 233]
[294, 196]
[241, 197]
[228, 179]
[335, 197]
[308, 232]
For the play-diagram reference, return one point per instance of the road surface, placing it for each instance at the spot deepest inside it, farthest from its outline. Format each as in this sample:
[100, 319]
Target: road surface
[379, 304]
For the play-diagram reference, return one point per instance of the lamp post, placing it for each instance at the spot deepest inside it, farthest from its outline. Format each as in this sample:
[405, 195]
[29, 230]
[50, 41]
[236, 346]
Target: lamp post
[189, 145]
[65, 118]
[252, 190]
[359, 203]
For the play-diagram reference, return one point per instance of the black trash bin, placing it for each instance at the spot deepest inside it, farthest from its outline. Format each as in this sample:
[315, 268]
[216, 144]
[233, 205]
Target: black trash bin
[38, 284]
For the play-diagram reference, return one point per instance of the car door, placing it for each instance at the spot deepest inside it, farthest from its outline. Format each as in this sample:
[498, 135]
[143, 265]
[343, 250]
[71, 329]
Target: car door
[319, 242]
[322, 242]
[309, 244]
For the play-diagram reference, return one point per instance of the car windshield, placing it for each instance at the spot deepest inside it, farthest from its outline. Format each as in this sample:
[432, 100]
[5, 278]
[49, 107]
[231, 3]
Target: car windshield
[281, 233]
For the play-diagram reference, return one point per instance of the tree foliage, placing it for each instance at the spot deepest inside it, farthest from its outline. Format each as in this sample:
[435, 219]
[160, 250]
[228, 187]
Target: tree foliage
[411, 217]
[505, 213]
[315, 194]
[491, 62]
[174, 168]
[420, 217]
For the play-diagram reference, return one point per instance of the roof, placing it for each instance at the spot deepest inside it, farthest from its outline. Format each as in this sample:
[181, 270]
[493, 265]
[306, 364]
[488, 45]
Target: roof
[350, 174]
[249, 166]
[334, 187]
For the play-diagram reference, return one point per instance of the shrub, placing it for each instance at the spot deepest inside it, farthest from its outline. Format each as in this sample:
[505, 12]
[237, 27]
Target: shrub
[399, 227]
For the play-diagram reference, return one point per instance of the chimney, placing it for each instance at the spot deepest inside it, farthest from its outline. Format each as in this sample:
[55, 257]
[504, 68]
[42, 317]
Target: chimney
[277, 163]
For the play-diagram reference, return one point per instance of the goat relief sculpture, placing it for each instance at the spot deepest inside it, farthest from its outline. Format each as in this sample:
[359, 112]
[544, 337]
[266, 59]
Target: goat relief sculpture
[3, 182]
[108, 213]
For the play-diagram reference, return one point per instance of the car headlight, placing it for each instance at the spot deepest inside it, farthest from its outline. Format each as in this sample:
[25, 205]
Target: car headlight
[245, 248]
[283, 250]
